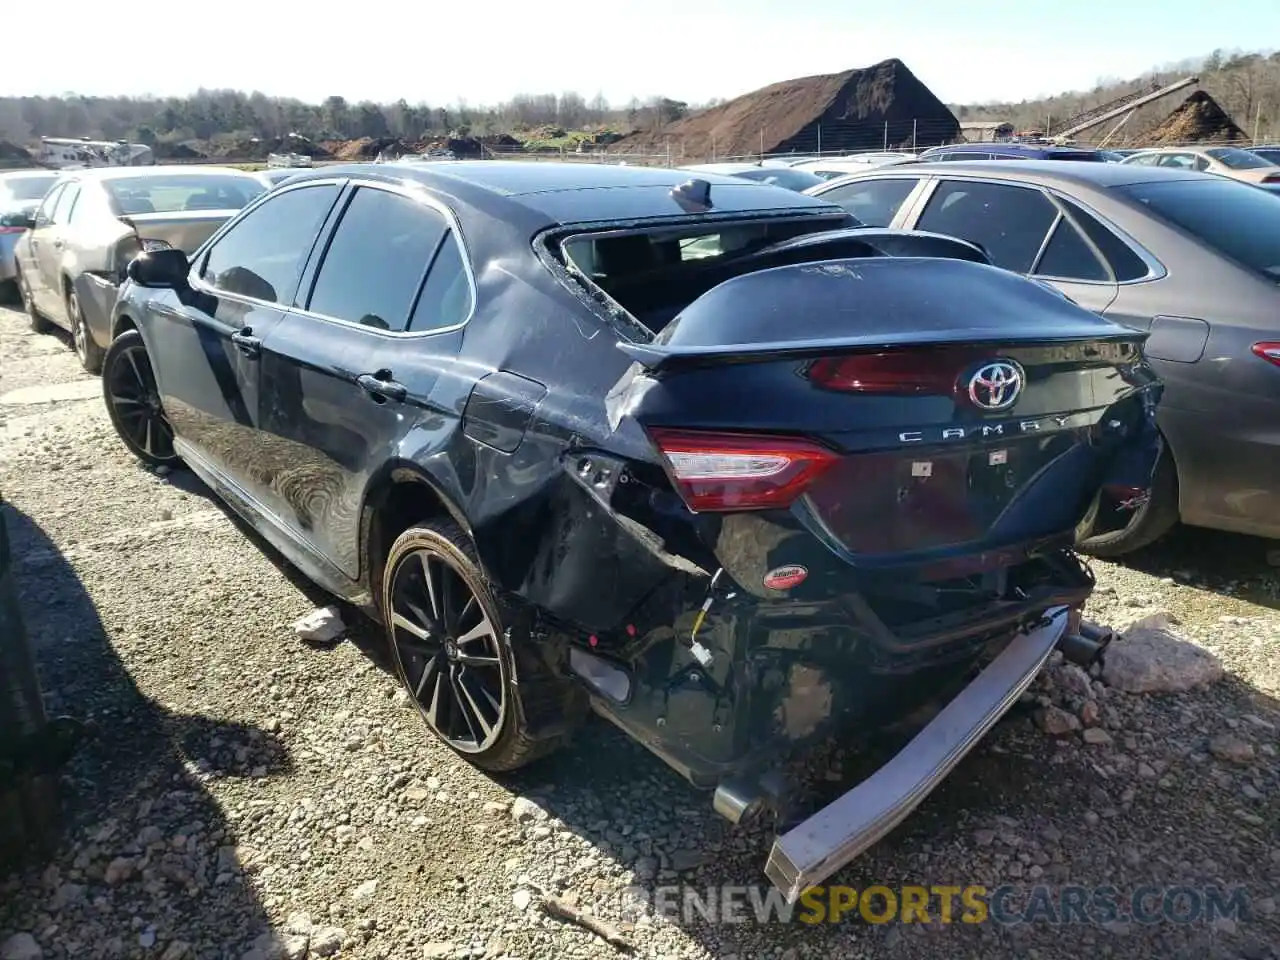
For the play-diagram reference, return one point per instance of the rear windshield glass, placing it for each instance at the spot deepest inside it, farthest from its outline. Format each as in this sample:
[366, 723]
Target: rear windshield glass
[1088, 155]
[782, 177]
[1237, 159]
[1235, 219]
[172, 194]
[1269, 154]
[25, 188]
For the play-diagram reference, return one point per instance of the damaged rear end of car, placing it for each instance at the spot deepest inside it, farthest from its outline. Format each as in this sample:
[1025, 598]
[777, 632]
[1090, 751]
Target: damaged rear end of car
[845, 481]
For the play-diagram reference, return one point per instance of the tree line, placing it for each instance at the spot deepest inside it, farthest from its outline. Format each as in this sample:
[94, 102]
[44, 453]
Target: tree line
[208, 115]
[1246, 85]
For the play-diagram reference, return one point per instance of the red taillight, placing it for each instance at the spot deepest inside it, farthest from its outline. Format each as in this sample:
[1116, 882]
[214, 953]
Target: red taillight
[731, 471]
[930, 371]
[1271, 178]
[4, 230]
[1268, 350]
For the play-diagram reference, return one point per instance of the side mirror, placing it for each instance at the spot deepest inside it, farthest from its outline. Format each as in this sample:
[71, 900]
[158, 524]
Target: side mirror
[162, 269]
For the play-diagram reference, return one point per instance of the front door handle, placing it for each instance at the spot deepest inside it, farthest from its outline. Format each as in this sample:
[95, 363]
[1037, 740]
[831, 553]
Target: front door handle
[246, 342]
[381, 387]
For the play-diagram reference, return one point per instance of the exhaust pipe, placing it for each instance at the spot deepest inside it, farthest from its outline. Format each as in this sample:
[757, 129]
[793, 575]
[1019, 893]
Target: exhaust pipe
[737, 800]
[1087, 645]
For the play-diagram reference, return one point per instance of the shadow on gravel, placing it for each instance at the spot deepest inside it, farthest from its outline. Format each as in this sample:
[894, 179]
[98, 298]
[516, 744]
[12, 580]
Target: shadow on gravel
[1230, 564]
[144, 838]
[1067, 813]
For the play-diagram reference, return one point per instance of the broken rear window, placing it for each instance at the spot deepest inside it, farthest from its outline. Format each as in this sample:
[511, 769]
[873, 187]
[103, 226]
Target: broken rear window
[655, 273]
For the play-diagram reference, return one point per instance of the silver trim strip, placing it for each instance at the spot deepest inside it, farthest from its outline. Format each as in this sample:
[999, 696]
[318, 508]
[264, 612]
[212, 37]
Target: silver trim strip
[846, 828]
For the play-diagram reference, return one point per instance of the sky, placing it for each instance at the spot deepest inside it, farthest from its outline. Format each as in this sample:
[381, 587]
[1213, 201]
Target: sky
[485, 51]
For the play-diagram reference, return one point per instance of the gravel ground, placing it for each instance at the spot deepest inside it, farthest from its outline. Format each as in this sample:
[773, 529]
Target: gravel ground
[248, 795]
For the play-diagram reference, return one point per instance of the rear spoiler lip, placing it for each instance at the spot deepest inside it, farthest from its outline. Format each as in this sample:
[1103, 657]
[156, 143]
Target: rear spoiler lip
[657, 357]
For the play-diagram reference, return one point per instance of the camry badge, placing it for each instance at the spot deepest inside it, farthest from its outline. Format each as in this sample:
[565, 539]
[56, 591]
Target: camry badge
[996, 385]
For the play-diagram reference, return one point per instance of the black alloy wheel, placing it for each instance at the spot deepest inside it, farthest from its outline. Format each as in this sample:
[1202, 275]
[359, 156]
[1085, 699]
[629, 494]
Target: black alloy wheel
[449, 640]
[133, 401]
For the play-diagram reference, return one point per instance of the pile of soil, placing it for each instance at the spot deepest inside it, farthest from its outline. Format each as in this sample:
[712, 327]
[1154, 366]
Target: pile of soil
[854, 110]
[1198, 119]
[177, 151]
[12, 153]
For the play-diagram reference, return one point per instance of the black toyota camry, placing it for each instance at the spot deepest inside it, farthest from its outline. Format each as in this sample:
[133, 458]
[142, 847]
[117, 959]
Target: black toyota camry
[702, 454]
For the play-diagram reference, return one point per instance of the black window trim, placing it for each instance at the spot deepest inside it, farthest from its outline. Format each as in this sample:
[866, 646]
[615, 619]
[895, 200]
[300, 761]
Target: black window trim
[311, 264]
[57, 187]
[334, 222]
[1155, 269]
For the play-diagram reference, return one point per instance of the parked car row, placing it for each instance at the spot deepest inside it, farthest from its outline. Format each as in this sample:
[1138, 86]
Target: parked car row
[1191, 258]
[734, 466]
[74, 246]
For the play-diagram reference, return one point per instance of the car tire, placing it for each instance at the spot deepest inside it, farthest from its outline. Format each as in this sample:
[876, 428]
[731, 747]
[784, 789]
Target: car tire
[36, 319]
[9, 292]
[451, 679]
[133, 401]
[87, 350]
[1152, 520]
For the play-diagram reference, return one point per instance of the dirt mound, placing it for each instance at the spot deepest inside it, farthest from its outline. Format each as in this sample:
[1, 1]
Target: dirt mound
[1198, 119]
[177, 151]
[879, 106]
[12, 153]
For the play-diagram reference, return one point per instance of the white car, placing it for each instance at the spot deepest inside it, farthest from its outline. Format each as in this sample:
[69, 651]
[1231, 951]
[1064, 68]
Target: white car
[829, 167]
[789, 178]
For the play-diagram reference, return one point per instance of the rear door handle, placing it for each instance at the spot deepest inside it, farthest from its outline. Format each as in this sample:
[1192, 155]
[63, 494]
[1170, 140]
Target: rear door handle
[246, 343]
[381, 387]
[57, 244]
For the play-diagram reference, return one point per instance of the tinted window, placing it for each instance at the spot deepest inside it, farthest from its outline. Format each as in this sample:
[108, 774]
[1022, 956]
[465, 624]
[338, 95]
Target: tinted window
[1179, 161]
[262, 255]
[174, 192]
[1269, 155]
[376, 260]
[1235, 219]
[781, 177]
[1125, 264]
[1009, 223]
[1238, 159]
[1084, 155]
[1068, 257]
[26, 187]
[446, 296]
[874, 202]
[66, 202]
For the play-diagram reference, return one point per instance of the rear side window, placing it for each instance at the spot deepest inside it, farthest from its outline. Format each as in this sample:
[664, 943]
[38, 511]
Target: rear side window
[874, 202]
[261, 256]
[445, 300]
[376, 260]
[1235, 219]
[44, 215]
[1068, 257]
[1009, 223]
[1125, 263]
[66, 203]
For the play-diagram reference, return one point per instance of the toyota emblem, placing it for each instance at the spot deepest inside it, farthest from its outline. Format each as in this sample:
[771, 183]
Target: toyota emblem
[996, 385]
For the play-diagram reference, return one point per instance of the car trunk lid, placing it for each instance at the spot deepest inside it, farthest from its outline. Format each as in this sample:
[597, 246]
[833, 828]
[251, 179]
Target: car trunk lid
[900, 410]
[184, 230]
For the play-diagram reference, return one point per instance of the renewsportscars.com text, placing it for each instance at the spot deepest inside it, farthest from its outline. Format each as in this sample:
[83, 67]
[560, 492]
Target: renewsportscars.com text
[1006, 905]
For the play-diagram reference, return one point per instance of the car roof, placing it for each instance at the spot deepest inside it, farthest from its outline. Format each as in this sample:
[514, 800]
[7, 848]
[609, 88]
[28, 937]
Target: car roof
[1011, 145]
[564, 192]
[1064, 172]
[159, 170]
[26, 174]
[729, 168]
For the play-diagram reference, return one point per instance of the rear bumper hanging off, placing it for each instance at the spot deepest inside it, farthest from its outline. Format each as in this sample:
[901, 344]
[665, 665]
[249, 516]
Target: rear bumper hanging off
[819, 846]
